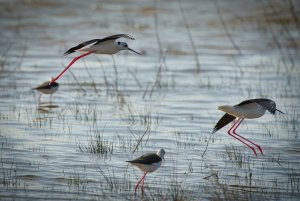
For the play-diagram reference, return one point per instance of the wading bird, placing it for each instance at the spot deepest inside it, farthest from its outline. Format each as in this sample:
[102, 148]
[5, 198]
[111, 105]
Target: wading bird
[47, 88]
[107, 45]
[248, 109]
[147, 163]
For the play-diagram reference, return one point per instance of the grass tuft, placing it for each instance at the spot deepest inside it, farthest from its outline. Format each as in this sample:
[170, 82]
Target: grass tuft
[97, 144]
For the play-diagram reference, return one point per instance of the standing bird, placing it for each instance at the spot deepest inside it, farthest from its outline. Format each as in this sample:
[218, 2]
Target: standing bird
[47, 88]
[147, 163]
[248, 109]
[107, 45]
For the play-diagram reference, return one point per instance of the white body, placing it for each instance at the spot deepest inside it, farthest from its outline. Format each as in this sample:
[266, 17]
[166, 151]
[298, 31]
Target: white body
[106, 47]
[248, 111]
[147, 168]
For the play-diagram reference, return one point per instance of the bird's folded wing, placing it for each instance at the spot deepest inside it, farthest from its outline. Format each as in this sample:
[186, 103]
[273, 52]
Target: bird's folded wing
[115, 37]
[226, 119]
[85, 44]
[44, 85]
[267, 104]
[147, 159]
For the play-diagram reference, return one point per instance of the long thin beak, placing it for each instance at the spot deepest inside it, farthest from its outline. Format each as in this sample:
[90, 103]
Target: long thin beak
[134, 51]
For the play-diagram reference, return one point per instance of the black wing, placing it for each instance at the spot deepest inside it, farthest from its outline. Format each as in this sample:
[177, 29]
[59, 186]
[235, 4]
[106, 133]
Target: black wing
[96, 41]
[265, 103]
[226, 119]
[81, 45]
[47, 85]
[147, 159]
[115, 37]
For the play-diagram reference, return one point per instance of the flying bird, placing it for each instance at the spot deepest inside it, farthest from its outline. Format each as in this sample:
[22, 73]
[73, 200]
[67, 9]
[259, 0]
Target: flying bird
[108, 45]
[248, 109]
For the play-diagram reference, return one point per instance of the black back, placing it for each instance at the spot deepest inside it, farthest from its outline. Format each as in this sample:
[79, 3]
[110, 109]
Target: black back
[147, 159]
[264, 102]
[81, 45]
[47, 85]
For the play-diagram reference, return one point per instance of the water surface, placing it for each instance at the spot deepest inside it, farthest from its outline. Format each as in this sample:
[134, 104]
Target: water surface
[138, 104]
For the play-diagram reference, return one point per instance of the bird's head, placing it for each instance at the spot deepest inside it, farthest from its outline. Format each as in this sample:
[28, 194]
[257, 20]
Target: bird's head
[124, 46]
[161, 153]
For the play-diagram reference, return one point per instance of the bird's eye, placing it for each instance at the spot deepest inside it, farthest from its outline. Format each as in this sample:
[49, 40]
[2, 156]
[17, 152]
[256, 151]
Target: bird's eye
[125, 45]
[119, 43]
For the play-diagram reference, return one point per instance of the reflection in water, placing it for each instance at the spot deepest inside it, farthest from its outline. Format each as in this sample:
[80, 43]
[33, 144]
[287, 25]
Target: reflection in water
[46, 108]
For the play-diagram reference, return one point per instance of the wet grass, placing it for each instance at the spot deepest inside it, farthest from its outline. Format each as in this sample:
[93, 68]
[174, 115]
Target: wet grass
[97, 144]
[234, 154]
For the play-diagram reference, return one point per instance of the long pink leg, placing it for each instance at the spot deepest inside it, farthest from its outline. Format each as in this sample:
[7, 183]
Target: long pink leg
[240, 139]
[143, 187]
[235, 123]
[137, 185]
[70, 64]
[260, 149]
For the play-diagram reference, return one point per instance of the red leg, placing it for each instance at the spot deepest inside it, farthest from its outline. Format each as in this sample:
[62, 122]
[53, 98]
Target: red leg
[143, 187]
[229, 132]
[260, 149]
[235, 123]
[70, 64]
[137, 185]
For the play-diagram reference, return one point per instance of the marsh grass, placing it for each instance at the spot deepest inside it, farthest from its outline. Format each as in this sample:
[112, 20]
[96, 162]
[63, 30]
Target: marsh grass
[223, 192]
[114, 183]
[140, 123]
[172, 189]
[235, 155]
[9, 174]
[78, 181]
[177, 192]
[187, 27]
[291, 119]
[140, 137]
[293, 183]
[143, 116]
[86, 112]
[124, 141]
[97, 144]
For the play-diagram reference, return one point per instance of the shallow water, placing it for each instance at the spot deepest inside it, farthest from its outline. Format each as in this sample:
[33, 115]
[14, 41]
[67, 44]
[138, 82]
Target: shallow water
[138, 104]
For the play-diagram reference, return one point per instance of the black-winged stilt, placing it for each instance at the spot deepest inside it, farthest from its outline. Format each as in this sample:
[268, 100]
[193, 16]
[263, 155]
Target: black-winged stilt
[47, 88]
[107, 45]
[147, 163]
[248, 109]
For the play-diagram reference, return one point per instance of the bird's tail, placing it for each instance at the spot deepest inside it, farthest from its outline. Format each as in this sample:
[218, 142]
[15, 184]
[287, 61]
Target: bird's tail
[74, 49]
[70, 51]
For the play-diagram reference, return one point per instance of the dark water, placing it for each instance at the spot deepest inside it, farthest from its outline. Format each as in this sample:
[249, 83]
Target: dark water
[139, 104]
